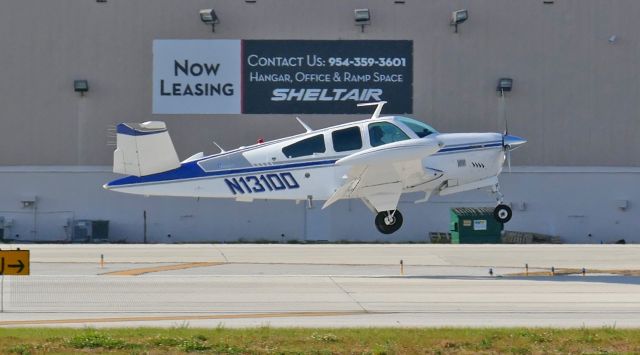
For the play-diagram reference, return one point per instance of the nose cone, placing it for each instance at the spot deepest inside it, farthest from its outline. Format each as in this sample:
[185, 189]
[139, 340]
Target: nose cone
[512, 142]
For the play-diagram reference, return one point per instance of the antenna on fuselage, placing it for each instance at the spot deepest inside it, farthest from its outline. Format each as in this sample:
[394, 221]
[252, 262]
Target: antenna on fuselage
[306, 127]
[379, 105]
[219, 147]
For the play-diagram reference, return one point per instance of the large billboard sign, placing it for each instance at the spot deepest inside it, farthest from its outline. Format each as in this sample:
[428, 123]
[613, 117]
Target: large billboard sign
[196, 76]
[280, 76]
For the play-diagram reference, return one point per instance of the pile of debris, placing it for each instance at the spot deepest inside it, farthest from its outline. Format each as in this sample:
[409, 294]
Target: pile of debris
[512, 237]
[440, 238]
[508, 237]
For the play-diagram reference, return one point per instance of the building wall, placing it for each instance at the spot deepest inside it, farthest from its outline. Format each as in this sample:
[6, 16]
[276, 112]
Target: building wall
[575, 99]
[575, 94]
[572, 203]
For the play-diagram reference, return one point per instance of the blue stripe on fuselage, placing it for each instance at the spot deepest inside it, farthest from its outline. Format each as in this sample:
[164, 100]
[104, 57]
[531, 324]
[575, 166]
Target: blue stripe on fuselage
[470, 147]
[192, 170]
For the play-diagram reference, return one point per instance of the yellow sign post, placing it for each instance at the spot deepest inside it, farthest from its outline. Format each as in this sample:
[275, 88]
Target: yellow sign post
[14, 262]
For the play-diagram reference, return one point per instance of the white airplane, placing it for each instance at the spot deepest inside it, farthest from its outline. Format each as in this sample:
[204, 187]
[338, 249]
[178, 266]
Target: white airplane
[375, 160]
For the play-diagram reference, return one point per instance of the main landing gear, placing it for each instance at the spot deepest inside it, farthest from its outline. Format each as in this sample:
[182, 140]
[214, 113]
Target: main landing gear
[502, 213]
[388, 222]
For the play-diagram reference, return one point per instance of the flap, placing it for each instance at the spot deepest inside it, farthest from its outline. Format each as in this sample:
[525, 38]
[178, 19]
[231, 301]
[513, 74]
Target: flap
[379, 174]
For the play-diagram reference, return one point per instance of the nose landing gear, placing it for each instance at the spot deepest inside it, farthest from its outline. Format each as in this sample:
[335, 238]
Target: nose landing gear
[502, 213]
[388, 222]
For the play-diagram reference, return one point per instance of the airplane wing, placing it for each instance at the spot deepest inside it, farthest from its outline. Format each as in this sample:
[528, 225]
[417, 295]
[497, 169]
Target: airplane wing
[378, 175]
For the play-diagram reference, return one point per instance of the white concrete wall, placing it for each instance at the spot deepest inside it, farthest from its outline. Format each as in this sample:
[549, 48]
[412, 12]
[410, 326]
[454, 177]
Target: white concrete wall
[569, 202]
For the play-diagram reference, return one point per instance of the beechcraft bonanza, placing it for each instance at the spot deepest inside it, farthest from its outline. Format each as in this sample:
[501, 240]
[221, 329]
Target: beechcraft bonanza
[375, 160]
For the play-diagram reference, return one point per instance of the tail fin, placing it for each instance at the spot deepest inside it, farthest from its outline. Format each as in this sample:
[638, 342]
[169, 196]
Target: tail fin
[144, 149]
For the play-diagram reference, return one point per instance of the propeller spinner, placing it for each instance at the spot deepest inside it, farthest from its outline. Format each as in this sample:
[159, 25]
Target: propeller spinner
[510, 143]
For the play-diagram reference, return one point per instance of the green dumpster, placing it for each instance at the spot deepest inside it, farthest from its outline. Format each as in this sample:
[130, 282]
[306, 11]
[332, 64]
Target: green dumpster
[474, 226]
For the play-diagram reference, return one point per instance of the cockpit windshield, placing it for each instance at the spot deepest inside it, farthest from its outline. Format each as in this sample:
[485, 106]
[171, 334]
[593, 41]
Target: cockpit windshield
[420, 129]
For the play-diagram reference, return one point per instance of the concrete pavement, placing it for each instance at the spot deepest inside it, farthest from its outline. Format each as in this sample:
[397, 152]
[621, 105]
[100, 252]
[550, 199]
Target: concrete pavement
[322, 285]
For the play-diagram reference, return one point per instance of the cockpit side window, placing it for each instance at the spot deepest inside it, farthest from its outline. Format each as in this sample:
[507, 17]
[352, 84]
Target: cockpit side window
[346, 139]
[305, 147]
[421, 130]
[384, 132]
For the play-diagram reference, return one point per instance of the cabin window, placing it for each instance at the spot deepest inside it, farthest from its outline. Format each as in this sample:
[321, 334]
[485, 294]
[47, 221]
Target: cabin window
[421, 130]
[307, 146]
[346, 139]
[384, 132]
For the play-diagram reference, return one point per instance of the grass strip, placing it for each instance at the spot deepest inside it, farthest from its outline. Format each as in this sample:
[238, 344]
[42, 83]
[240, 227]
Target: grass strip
[182, 340]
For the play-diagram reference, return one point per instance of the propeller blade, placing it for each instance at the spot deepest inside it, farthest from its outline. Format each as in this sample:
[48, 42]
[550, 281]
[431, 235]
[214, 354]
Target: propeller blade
[503, 113]
[506, 125]
[509, 159]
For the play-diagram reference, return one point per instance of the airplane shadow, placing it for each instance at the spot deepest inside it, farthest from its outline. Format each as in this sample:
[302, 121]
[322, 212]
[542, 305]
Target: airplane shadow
[629, 280]
[617, 279]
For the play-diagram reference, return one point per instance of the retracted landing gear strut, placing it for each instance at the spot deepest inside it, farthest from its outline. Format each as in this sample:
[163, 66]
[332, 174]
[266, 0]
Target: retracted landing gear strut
[502, 213]
[388, 222]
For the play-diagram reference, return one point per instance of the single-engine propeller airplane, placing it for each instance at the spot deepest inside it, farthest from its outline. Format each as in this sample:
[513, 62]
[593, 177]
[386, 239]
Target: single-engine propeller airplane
[375, 160]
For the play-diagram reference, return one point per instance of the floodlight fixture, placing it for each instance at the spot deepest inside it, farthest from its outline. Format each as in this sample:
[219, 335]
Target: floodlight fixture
[362, 17]
[458, 17]
[81, 86]
[209, 17]
[622, 204]
[504, 85]
[29, 202]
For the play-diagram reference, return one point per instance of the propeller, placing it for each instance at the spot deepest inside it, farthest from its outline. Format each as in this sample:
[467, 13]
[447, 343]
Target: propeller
[505, 147]
[509, 142]
[507, 154]
[507, 151]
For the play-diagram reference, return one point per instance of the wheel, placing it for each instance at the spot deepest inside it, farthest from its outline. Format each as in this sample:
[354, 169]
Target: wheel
[502, 213]
[388, 222]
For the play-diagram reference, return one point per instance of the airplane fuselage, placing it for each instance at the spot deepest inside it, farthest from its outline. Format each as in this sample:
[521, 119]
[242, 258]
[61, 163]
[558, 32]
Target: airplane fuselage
[245, 174]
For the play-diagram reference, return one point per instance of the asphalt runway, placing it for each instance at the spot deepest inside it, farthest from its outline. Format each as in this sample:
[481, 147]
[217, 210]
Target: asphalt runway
[322, 286]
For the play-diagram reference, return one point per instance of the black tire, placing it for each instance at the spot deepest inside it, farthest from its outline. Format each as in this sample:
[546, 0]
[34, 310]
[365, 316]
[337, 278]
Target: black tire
[502, 213]
[385, 228]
